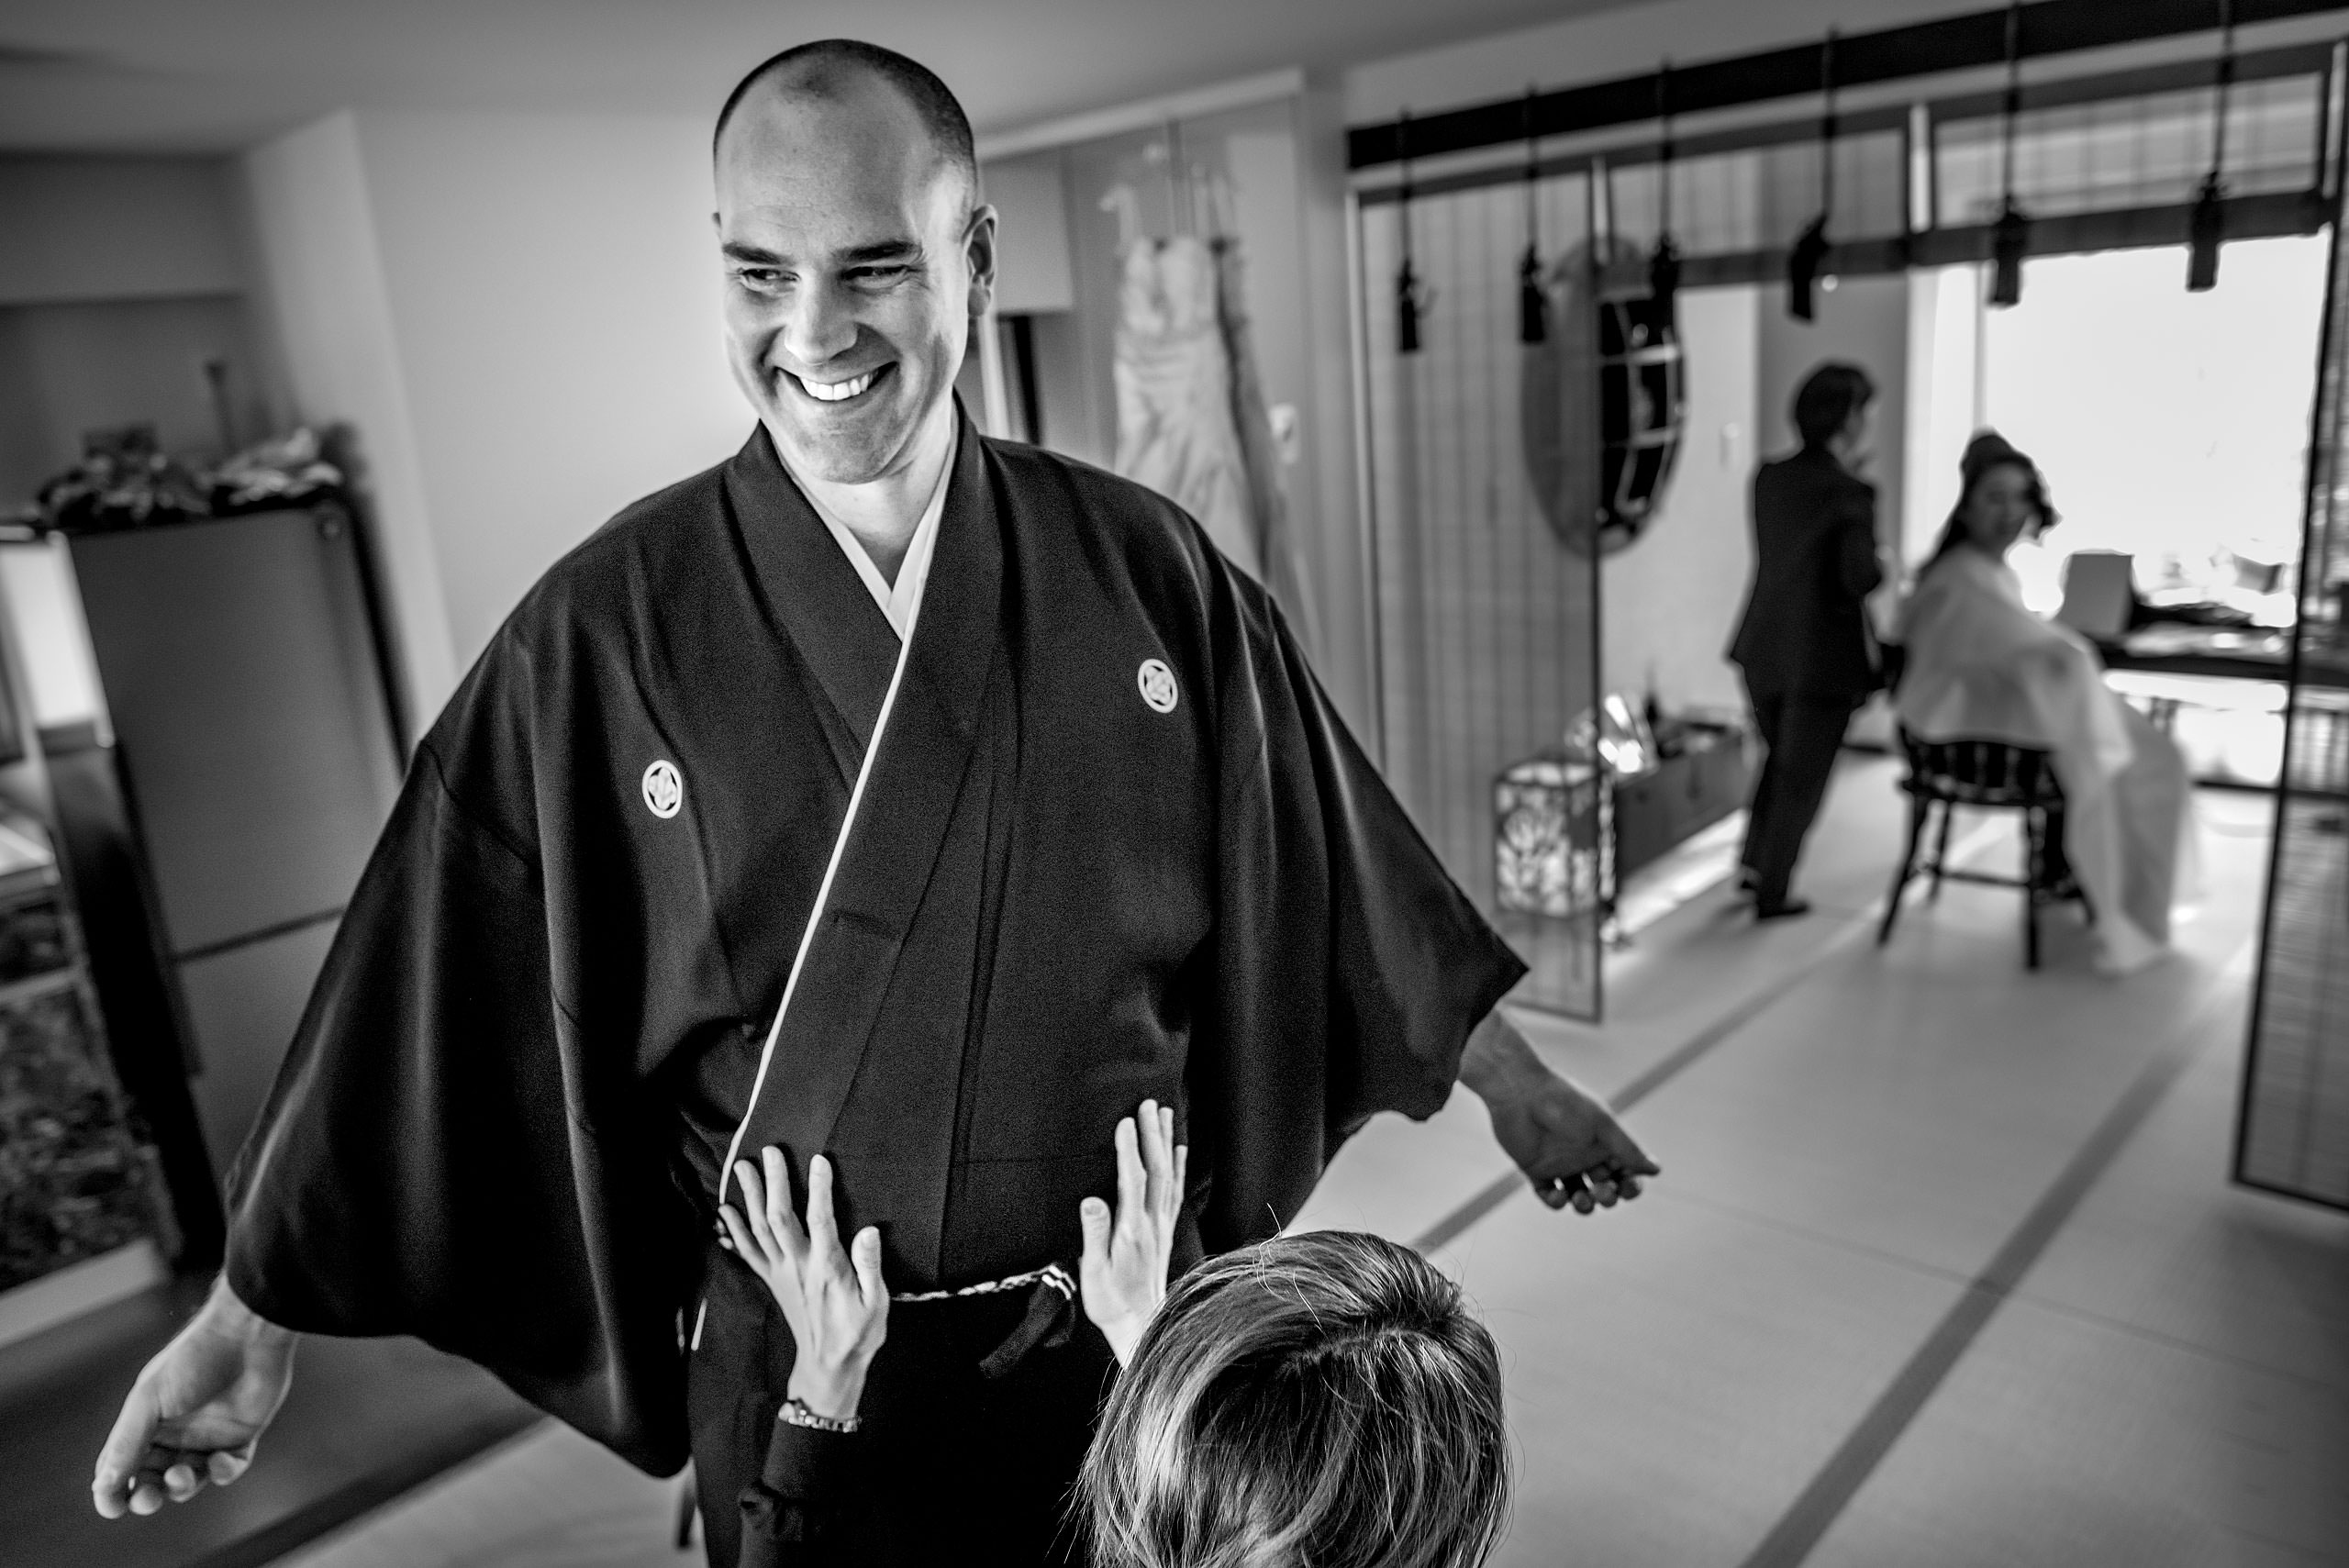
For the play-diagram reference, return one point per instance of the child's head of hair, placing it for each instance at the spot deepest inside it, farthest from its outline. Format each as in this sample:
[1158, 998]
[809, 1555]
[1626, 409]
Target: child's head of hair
[1321, 1399]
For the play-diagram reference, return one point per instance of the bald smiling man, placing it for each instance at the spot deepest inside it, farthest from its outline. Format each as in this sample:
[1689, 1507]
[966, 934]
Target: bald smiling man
[886, 793]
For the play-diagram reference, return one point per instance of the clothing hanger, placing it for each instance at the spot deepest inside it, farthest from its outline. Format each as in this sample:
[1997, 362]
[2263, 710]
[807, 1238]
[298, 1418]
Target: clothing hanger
[1223, 221]
[1121, 199]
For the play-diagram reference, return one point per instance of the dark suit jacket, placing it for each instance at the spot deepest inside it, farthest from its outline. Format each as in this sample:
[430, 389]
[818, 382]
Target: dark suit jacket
[1805, 632]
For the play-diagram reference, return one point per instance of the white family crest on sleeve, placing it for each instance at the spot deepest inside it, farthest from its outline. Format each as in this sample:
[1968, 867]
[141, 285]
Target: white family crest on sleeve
[1157, 684]
[664, 791]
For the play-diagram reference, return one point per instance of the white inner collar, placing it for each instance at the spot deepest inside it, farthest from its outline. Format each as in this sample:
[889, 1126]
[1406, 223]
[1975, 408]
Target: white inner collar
[900, 602]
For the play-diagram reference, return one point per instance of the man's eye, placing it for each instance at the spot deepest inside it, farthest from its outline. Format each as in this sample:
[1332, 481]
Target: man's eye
[876, 277]
[760, 280]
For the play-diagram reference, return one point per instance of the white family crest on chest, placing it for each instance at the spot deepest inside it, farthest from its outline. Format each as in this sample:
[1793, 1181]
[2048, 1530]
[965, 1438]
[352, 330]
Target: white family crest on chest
[664, 789]
[1157, 684]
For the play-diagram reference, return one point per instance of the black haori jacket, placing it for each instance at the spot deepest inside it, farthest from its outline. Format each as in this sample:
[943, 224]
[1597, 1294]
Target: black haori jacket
[1116, 844]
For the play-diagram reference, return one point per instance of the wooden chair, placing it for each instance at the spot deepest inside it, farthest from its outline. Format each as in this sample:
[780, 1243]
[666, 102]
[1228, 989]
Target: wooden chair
[1990, 775]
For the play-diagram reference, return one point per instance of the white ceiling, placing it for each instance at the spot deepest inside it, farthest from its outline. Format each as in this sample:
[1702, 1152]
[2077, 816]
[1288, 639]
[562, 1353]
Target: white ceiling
[215, 75]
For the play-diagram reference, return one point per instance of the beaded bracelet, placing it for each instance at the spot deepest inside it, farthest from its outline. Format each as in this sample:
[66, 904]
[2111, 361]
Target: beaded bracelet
[795, 1412]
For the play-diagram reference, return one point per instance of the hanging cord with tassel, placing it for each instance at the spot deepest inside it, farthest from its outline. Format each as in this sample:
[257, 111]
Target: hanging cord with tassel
[1533, 299]
[2010, 236]
[1810, 254]
[2208, 227]
[1408, 299]
[1664, 262]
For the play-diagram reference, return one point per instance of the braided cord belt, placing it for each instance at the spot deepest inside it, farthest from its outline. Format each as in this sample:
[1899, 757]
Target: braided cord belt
[1051, 1275]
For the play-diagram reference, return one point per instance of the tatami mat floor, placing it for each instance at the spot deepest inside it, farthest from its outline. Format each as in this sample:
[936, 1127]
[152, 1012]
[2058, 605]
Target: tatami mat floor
[1943, 1269]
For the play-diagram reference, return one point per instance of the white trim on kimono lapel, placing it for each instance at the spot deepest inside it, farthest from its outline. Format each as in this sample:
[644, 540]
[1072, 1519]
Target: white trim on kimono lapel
[815, 916]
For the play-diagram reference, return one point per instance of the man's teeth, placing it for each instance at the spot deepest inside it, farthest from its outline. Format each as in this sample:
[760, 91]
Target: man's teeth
[838, 391]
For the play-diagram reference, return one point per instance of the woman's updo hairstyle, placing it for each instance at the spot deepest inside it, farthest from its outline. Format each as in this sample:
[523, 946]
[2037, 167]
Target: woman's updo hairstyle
[1315, 1401]
[1989, 450]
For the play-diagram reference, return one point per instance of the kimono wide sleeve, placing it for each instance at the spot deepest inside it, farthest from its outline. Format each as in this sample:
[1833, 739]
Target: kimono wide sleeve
[444, 1155]
[1351, 968]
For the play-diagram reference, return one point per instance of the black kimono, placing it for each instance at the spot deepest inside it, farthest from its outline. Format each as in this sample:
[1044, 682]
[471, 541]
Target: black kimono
[1115, 845]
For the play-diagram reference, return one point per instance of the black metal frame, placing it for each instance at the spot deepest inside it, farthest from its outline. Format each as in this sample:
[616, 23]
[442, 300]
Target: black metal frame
[1926, 48]
[2264, 215]
[2262, 65]
[2326, 444]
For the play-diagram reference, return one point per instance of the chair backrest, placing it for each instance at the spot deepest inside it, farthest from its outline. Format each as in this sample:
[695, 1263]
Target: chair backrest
[1980, 773]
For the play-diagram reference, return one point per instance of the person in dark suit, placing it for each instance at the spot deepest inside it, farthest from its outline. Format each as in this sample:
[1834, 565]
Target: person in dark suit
[1805, 645]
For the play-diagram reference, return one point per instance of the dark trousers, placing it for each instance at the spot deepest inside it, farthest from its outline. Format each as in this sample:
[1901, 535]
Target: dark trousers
[956, 1467]
[1801, 736]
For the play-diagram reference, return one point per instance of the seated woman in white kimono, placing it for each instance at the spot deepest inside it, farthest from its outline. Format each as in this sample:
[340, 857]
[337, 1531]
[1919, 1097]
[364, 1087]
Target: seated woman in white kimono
[1980, 666]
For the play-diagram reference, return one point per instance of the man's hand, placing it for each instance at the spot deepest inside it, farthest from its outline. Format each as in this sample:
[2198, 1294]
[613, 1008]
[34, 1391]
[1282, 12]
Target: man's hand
[1568, 1144]
[834, 1301]
[1123, 1272]
[197, 1410]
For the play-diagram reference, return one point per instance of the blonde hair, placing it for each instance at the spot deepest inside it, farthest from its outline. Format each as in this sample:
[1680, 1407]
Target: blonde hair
[1323, 1399]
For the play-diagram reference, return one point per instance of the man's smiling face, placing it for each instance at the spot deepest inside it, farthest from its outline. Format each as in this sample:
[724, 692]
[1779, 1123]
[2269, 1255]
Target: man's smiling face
[855, 260]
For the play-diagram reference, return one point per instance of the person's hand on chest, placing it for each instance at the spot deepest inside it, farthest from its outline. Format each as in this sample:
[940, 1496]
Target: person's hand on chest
[1122, 1274]
[833, 1298]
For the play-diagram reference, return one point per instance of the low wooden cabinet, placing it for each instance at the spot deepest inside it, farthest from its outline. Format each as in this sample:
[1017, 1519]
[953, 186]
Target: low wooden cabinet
[1708, 776]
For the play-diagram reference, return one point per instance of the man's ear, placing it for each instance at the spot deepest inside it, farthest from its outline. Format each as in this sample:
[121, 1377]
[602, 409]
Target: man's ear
[978, 250]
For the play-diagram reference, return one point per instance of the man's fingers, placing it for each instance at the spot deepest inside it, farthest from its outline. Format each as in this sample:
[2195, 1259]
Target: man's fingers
[1157, 1145]
[780, 1219]
[125, 1445]
[864, 1256]
[1093, 1219]
[1584, 1191]
[823, 1230]
[754, 1207]
[1132, 1180]
[745, 1244]
[229, 1463]
[1178, 1188]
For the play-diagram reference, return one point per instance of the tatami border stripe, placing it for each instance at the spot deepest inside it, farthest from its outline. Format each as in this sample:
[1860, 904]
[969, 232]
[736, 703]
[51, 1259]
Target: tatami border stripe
[1816, 1509]
[1688, 1053]
[1681, 1058]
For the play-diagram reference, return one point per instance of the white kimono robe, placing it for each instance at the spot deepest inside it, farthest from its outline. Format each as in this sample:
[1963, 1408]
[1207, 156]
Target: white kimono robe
[1981, 665]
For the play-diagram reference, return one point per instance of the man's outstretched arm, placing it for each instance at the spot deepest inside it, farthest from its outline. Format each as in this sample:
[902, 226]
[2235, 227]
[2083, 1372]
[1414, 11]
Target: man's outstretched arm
[1566, 1142]
[197, 1410]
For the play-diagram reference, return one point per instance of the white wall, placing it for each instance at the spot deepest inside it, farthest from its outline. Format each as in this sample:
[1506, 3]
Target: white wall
[1032, 237]
[553, 290]
[115, 228]
[73, 368]
[329, 316]
[119, 277]
[1671, 600]
[519, 315]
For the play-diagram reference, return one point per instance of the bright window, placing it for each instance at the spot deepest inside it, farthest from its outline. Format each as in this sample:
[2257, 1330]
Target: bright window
[2171, 425]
